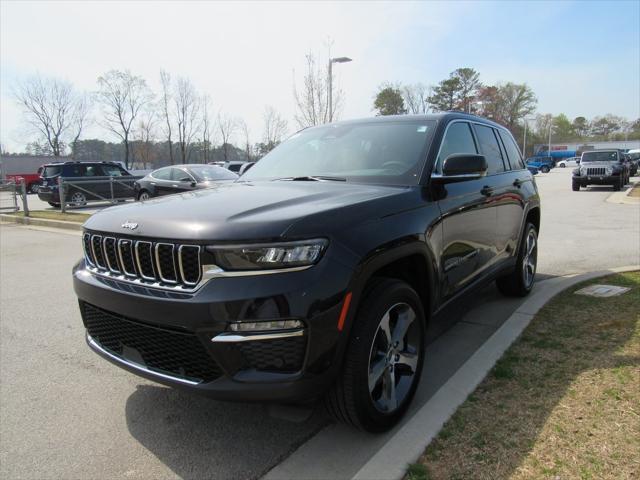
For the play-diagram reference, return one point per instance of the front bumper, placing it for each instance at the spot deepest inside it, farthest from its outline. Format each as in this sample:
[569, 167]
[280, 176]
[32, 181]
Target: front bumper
[253, 369]
[584, 180]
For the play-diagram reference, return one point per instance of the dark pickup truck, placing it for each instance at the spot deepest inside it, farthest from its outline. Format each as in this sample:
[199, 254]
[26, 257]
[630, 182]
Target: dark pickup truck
[321, 271]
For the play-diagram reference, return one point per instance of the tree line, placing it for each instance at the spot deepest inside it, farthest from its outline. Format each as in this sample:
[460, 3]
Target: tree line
[509, 104]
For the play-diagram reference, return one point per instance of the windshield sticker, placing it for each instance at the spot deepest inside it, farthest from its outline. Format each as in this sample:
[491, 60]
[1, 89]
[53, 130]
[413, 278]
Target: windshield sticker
[422, 129]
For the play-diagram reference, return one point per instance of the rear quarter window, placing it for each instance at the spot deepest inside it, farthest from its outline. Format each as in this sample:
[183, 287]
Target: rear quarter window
[513, 151]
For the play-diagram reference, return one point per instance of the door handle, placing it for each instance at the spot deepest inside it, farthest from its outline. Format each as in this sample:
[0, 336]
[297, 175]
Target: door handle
[487, 191]
[517, 183]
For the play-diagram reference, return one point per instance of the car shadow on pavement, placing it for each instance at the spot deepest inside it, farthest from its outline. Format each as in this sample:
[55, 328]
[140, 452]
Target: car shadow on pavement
[198, 438]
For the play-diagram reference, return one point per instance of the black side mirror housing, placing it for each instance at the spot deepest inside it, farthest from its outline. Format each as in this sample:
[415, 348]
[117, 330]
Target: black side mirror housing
[460, 167]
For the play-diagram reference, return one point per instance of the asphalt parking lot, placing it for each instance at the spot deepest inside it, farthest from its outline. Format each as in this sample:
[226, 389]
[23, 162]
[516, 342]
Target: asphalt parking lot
[66, 413]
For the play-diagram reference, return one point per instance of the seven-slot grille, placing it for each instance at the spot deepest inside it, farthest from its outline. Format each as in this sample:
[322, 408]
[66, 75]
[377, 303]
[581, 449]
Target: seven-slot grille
[596, 171]
[162, 262]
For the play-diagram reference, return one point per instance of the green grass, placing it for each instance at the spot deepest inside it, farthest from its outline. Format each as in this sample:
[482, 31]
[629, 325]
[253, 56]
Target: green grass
[563, 402]
[48, 215]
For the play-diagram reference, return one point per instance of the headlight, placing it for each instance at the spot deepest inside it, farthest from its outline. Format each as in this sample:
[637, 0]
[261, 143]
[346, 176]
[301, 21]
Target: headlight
[609, 171]
[269, 256]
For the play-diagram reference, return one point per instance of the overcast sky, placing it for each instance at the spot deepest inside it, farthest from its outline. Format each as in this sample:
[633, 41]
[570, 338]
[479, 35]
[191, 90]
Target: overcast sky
[580, 58]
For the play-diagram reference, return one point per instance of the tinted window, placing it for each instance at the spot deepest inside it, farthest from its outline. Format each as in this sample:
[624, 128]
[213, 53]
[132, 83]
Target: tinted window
[52, 170]
[235, 167]
[93, 171]
[490, 148]
[177, 174]
[384, 152]
[162, 174]
[458, 139]
[513, 152]
[113, 170]
[209, 172]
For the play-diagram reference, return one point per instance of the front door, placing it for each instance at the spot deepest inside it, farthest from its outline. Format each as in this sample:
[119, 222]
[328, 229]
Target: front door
[469, 217]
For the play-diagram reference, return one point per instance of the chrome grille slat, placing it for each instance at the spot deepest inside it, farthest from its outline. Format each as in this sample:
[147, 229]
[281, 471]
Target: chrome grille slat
[139, 264]
[168, 277]
[86, 246]
[98, 253]
[145, 262]
[125, 253]
[108, 243]
[182, 252]
[596, 171]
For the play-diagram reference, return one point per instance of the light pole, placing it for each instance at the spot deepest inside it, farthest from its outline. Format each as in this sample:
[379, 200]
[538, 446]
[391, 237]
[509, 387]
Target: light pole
[331, 62]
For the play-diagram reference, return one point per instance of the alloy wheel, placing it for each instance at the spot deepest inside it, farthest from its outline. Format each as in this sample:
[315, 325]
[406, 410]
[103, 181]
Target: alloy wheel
[78, 199]
[144, 196]
[393, 358]
[530, 258]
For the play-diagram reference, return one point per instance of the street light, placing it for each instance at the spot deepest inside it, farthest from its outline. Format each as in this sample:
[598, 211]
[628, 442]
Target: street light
[331, 62]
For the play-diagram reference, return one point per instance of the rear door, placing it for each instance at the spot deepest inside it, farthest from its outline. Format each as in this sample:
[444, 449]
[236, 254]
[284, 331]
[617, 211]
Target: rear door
[122, 188]
[162, 180]
[468, 217]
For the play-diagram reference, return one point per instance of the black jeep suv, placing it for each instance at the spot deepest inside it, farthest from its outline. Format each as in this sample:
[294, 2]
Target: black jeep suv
[87, 181]
[318, 272]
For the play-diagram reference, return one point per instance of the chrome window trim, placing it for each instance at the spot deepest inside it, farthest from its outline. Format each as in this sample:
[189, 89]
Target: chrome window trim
[159, 267]
[124, 270]
[96, 346]
[84, 248]
[437, 168]
[106, 256]
[137, 244]
[250, 337]
[184, 280]
[93, 250]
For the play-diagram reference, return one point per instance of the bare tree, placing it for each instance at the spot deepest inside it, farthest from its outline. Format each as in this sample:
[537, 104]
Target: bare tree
[227, 126]
[167, 112]
[415, 98]
[50, 105]
[80, 120]
[312, 101]
[275, 127]
[207, 127]
[246, 135]
[187, 110]
[144, 135]
[122, 95]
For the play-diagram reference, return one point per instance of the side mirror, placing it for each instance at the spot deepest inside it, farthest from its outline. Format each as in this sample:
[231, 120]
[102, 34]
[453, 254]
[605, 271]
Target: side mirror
[460, 167]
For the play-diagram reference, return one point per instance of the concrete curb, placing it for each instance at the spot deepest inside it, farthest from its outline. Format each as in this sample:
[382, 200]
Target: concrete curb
[406, 446]
[623, 197]
[41, 222]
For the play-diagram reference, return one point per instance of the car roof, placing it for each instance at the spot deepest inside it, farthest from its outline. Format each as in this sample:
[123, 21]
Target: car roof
[438, 117]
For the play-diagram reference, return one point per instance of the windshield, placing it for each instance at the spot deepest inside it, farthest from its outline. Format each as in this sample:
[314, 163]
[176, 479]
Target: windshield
[391, 152]
[52, 170]
[205, 173]
[600, 157]
[634, 156]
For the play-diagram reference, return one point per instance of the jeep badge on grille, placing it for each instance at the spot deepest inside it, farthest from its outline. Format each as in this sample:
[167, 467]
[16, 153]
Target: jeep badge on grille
[129, 225]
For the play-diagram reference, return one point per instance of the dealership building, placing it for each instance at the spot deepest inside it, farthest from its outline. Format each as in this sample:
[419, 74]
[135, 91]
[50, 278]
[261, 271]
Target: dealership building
[575, 149]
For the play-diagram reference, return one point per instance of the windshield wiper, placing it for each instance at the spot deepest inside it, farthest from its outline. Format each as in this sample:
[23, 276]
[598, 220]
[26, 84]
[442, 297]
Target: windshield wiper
[313, 178]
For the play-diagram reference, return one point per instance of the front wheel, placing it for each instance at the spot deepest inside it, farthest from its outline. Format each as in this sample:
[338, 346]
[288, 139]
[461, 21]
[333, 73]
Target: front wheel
[520, 282]
[383, 361]
[545, 169]
[575, 186]
[617, 186]
[562, 165]
[143, 195]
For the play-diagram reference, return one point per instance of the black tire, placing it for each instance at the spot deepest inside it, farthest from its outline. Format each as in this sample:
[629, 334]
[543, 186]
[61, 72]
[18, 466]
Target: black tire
[545, 169]
[617, 186]
[77, 199]
[351, 400]
[575, 186]
[519, 283]
[562, 165]
[55, 205]
[141, 195]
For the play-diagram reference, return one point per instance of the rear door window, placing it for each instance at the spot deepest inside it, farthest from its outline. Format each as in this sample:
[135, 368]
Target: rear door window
[513, 151]
[162, 174]
[93, 171]
[112, 170]
[457, 139]
[490, 148]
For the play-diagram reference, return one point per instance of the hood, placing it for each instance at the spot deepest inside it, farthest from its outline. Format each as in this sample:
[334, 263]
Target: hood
[247, 211]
